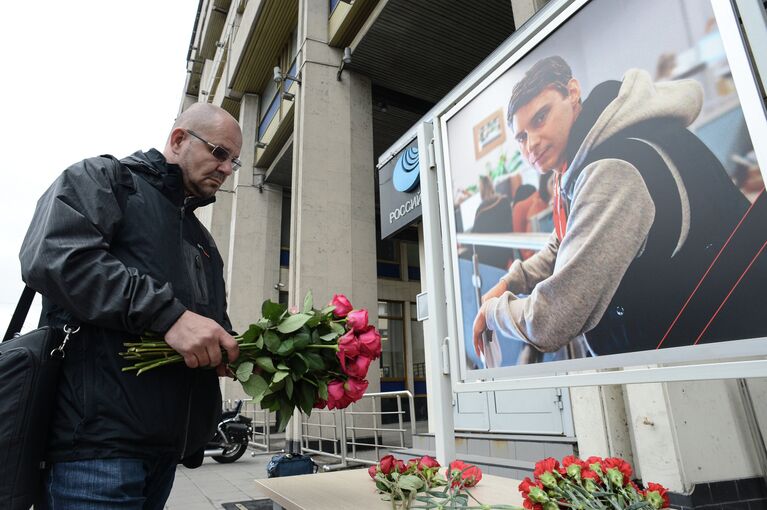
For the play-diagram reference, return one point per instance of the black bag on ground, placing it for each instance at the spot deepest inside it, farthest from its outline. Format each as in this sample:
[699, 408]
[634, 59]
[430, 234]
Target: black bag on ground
[290, 464]
[29, 370]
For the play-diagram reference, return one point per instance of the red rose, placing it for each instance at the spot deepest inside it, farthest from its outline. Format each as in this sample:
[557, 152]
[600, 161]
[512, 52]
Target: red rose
[358, 367]
[348, 347]
[355, 388]
[337, 398]
[341, 394]
[343, 306]
[387, 464]
[427, 462]
[469, 475]
[657, 495]
[370, 342]
[399, 466]
[373, 471]
[619, 464]
[546, 465]
[357, 320]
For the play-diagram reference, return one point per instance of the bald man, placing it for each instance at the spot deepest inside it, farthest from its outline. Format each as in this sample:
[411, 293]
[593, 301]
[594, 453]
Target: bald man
[115, 248]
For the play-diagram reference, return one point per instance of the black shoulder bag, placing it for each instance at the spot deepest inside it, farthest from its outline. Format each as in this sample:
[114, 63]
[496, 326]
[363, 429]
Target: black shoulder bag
[29, 371]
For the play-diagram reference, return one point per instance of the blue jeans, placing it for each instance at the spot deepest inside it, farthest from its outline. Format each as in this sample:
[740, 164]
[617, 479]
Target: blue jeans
[106, 484]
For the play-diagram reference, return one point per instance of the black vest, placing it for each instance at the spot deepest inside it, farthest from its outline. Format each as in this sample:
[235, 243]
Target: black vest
[668, 299]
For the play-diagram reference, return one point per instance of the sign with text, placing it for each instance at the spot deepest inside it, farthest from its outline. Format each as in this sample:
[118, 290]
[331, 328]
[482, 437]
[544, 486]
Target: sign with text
[399, 191]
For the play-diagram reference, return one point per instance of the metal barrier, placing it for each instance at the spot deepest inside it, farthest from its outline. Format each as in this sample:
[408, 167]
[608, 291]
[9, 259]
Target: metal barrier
[260, 438]
[350, 429]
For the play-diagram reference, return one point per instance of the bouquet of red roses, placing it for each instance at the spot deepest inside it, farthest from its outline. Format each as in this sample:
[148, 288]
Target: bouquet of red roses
[292, 359]
[418, 484]
[591, 484]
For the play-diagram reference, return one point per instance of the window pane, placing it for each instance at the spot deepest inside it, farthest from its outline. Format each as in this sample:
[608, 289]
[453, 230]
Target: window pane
[419, 357]
[392, 360]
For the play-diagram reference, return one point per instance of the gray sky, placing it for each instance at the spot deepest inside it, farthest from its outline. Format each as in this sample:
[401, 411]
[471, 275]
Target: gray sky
[80, 78]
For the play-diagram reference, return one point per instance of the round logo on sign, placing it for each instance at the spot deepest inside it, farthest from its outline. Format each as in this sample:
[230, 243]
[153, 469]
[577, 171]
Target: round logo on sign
[405, 176]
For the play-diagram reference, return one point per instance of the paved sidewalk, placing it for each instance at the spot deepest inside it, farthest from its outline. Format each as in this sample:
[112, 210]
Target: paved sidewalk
[212, 484]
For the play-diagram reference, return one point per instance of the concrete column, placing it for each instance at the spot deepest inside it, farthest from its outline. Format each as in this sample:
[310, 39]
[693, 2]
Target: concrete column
[254, 240]
[332, 228]
[332, 245]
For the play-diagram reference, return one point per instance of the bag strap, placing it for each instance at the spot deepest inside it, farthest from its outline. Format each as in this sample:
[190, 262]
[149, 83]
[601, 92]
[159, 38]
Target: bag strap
[20, 313]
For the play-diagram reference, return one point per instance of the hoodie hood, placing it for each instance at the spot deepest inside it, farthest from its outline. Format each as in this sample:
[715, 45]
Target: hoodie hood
[638, 99]
[166, 177]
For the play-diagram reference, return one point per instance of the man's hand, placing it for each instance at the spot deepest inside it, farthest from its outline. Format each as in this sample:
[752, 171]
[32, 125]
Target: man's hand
[496, 291]
[200, 340]
[480, 325]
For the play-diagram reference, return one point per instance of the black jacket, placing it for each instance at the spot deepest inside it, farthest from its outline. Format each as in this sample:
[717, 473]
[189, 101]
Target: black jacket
[117, 248]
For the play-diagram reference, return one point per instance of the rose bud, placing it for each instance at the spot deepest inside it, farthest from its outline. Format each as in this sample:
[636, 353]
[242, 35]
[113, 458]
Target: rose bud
[357, 320]
[387, 464]
[373, 471]
[370, 342]
[343, 306]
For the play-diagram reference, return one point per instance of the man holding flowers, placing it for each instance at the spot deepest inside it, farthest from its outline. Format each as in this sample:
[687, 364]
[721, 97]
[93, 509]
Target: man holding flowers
[115, 248]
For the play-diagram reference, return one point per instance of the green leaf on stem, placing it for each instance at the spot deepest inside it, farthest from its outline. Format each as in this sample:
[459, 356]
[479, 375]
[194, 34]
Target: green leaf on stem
[298, 365]
[271, 340]
[410, 482]
[260, 342]
[288, 387]
[272, 311]
[255, 386]
[282, 366]
[327, 309]
[293, 323]
[265, 362]
[286, 413]
[253, 332]
[301, 340]
[279, 376]
[337, 328]
[308, 302]
[244, 371]
[286, 347]
[330, 336]
[306, 397]
[314, 320]
[323, 390]
[313, 360]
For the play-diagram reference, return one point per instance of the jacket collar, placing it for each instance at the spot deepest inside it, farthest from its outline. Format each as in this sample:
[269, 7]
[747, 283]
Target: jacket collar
[166, 177]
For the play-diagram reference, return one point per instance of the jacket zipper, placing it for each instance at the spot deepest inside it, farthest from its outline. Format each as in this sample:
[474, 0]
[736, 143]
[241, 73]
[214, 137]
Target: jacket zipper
[189, 395]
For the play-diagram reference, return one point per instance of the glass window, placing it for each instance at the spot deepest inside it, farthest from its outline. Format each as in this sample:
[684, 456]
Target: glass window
[392, 330]
[419, 356]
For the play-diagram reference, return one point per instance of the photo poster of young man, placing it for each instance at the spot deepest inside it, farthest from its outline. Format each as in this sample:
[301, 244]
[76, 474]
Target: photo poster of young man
[624, 141]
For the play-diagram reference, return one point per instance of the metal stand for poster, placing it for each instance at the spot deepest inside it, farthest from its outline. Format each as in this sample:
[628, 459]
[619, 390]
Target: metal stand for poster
[439, 275]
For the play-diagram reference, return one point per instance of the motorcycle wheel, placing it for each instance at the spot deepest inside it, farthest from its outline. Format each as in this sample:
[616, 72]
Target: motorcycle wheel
[232, 453]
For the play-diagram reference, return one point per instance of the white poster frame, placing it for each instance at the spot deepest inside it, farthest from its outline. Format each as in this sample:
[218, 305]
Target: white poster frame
[725, 360]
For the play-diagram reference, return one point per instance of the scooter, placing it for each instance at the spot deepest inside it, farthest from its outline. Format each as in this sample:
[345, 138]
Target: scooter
[230, 441]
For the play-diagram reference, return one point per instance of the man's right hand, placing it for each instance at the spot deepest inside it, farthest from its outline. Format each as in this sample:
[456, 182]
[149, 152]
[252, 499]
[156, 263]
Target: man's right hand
[496, 291]
[200, 340]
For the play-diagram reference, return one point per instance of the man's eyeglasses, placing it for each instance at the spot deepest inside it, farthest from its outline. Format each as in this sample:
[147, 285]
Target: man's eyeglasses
[218, 152]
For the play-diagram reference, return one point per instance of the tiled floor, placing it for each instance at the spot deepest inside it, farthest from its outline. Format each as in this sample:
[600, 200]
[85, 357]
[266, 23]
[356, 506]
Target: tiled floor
[212, 484]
